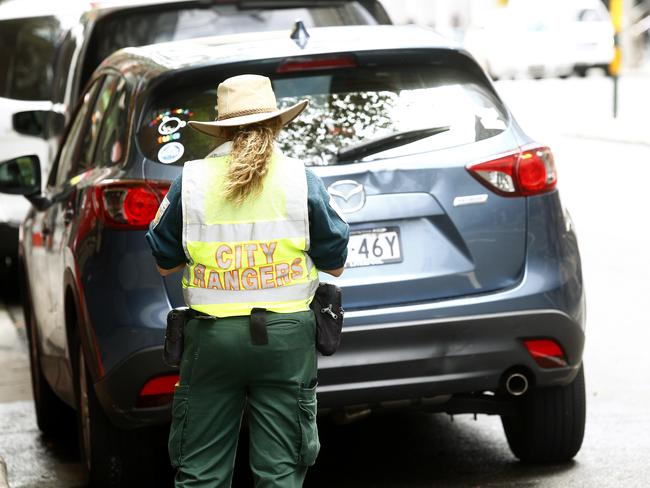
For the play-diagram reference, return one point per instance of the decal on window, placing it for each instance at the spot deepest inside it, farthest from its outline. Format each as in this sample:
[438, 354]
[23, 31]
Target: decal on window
[171, 152]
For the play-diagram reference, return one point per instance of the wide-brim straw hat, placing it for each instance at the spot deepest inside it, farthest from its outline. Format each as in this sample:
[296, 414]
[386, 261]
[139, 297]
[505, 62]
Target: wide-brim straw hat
[244, 100]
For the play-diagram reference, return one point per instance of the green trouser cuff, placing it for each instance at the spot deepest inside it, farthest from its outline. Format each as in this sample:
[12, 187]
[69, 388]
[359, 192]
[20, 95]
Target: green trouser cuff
[223, 372]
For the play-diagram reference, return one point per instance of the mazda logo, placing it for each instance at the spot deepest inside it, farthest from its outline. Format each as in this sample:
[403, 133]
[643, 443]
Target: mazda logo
[349, 194]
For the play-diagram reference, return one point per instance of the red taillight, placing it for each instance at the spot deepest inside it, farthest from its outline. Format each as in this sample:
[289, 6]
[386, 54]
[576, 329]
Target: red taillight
[546, 352]
[157, 391]
[530, 171]
[129, 204]
[316, 63]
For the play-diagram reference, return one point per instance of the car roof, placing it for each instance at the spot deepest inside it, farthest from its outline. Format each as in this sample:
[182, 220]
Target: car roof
[157, 59]
[71, 10]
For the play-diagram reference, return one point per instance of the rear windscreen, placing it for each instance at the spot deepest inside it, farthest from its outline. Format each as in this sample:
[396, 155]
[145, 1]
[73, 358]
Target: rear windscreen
[347, 107]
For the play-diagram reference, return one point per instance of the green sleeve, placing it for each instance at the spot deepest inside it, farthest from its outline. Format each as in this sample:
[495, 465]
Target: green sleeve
[328, 232]
[165, 235]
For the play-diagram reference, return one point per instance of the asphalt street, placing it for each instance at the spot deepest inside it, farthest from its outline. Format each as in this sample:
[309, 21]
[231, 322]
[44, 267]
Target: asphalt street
[604, 169]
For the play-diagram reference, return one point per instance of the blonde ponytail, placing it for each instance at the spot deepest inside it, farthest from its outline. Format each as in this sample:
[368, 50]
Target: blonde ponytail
[249, 160]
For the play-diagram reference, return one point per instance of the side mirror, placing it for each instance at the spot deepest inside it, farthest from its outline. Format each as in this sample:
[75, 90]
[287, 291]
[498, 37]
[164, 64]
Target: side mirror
[30, 123]
[21, 176]
[34, 122]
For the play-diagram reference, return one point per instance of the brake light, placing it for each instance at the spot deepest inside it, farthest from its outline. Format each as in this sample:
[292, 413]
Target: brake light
[129, 204]
[546, 352]
[316, 63]
[157, 391]
[530, 171]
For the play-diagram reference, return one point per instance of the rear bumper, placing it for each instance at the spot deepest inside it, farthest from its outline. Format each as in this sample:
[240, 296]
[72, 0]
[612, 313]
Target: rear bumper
[535, 69]
[594, 56]
[118, 391]
[379, 364]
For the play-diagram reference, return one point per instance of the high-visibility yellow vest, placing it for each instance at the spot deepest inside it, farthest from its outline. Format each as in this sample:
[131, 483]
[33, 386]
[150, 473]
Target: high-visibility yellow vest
[251, 256]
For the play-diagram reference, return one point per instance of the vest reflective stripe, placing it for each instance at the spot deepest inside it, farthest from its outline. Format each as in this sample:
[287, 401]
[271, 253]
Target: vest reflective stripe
[235, 309]
[206, 296]
[253, 256]
[254, 231]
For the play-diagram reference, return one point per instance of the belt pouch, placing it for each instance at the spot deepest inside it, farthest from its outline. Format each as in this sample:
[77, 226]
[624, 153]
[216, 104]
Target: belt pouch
[329, 318]
[259, 336]
[173, 348]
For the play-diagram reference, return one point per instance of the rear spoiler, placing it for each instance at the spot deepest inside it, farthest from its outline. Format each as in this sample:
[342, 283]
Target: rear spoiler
[375, 7]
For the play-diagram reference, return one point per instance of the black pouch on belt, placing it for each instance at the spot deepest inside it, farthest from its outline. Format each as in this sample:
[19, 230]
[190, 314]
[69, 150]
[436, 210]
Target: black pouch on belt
[173, 349]
[259, 336]
[329, 318]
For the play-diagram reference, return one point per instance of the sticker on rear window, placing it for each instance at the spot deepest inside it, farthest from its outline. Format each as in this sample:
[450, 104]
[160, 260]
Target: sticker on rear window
[171, 152]
[170, 125]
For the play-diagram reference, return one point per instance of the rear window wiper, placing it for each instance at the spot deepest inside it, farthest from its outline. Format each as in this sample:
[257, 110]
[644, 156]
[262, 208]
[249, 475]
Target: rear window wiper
[362, 149]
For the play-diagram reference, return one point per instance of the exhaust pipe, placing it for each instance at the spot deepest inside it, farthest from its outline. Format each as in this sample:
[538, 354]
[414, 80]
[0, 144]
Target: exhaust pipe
[516, 384]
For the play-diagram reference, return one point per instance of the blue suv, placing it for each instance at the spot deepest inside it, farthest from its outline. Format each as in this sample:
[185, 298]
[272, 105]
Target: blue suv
[464, 290]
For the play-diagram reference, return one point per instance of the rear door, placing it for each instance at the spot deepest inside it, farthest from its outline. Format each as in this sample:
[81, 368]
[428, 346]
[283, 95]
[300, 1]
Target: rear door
[75, 167]
[40, 259]
[422, 227]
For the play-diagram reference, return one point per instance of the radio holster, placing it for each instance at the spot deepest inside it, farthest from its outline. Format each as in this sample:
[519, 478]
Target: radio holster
[329, 318]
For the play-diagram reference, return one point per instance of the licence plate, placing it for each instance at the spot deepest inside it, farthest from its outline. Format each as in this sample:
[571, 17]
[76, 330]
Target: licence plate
[374, 247]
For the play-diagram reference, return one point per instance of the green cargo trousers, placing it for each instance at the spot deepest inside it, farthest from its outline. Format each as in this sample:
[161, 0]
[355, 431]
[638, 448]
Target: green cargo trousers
[222, 372]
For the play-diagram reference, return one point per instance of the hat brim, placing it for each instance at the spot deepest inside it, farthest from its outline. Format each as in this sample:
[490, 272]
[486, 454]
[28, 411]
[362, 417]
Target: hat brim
[214, 128]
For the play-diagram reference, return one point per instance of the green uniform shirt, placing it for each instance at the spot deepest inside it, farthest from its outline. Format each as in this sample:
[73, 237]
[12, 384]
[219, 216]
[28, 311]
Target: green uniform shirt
[328, 232]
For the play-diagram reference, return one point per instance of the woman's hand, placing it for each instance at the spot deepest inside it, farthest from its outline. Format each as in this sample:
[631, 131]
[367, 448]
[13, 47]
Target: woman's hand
[165, 272]
[334, 272]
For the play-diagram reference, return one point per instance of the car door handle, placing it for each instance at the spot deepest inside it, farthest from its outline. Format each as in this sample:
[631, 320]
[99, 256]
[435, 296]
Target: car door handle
[68, 215]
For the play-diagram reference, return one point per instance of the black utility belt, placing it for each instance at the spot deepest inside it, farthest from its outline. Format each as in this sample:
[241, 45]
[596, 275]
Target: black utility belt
[326, 307]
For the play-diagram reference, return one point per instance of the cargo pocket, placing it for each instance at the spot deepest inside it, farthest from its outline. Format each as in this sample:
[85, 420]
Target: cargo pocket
[309, 444]
[179, 421]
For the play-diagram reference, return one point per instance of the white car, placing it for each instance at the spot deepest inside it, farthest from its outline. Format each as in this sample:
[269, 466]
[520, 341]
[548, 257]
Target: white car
[523, 39]
[543, 38]
[25, 78]
[592, 34]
